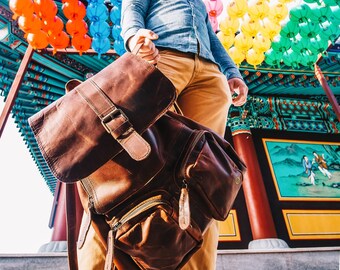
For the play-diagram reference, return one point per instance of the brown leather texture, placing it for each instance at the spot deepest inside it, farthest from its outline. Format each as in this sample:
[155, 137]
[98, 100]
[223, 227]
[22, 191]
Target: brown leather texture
[140, 199]
[70, 133]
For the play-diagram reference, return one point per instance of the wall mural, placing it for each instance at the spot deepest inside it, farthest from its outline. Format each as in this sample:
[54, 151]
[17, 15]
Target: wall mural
[304, 170]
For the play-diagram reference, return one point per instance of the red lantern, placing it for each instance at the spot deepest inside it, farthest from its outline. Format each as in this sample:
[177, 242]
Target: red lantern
[81, 43]
[53, 26]
[74, 10]
[29, 24]
[21, 8]
[59, 41]
[45, 9]
[76, 27]
[38, 40]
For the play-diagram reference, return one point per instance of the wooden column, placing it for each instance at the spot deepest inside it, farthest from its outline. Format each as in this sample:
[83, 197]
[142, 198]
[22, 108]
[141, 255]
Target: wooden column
[260, 216]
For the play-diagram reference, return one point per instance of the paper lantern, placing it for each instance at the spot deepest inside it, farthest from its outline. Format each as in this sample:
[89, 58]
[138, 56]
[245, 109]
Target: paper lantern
[59, 41]
[309, 29]
[269, 28]
[320, 14]
[250, 26]
[237, 8]
[29, 24]
[290, 29]
[254, 57]
[242, 42]
[99, 29]
[330, 31]
[301, 45]
[318, 45]
[291, 58]
[100, 45]
[38, 40]
[300, 13]
[116, 30]
[53, 25]
[331, 2]
[74, 10]
[97, 12]
[309, 60]
[236, 55]
[45, 9]
[273, 58]
[226, 40]
[281, 44]
[214, 8]
[335, 17]
[278, 11]
[118, 46]
[258, 9]
[115, 15]
[81, 43]
[21, 8]
[76, 27]
[261, 43]
[229, 25]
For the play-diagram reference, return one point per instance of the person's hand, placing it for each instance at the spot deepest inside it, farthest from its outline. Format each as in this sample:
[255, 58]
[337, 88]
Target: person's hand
[237, 86]
[148, 51]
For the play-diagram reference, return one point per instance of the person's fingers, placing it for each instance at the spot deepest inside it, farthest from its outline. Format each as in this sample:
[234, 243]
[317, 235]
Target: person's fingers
[140, 37]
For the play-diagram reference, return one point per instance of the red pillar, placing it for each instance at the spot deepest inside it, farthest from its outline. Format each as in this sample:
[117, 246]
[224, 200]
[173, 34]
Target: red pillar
[260, 216]
[59, 225]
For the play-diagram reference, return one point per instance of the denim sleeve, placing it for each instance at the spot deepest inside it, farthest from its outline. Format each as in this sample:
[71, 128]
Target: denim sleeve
[133, 15]
[227, 65]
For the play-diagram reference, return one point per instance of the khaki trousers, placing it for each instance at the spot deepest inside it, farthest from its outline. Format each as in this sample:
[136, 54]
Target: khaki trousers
[203, 95]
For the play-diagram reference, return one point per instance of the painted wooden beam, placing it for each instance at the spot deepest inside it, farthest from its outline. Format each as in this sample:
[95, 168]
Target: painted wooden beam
[13, 92]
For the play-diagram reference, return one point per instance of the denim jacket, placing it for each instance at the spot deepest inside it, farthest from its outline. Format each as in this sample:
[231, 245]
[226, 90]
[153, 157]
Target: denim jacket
[181, 25]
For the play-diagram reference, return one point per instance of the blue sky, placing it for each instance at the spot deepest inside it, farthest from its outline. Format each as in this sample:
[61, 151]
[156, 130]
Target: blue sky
[25, 200]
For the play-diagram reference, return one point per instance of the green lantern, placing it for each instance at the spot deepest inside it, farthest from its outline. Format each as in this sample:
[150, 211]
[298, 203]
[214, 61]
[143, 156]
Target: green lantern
[309, 29]
[330, 31]
[290, 29]
[335, 17]
[273, 58]
[291, 58]
[300, 13]
[301, 45]
[308, 60]
[318, 45]
[331, 2]
[320, 14]
[281, 44]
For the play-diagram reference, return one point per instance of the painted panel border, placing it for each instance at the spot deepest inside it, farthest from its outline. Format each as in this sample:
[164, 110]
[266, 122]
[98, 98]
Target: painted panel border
[229, 229]
[304, 170]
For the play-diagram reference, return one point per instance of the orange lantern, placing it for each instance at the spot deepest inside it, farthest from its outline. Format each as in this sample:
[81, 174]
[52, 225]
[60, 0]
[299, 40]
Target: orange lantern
[258, 9]
[243, 42]
[29, 24]
[250, 26]
[76, 27]
[74, 10]
[38, 40]
[59, 41]
[53, 26]
[45, 9]
[254, 57]
[237, 8]
[21, 8]
[236, 55]
[81, 43]
[226, 40]
[229, 25]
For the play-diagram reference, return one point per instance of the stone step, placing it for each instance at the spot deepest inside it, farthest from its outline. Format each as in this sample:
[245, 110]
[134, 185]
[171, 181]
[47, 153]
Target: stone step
[278, 259]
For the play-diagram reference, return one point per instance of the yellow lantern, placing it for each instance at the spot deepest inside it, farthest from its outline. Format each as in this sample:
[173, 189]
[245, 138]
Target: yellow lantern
[254, 57]
[236, 55]
[226, 40]
[270, 28]
[285, 1]
[229, 25]
[250, 26]
[258, 9]
[237, 8]
[243, 42]
[261, 43]
[278, 11]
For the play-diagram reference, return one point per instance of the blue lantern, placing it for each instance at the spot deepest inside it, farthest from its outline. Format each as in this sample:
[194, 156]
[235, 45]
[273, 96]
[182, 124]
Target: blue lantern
[100, 29]
[97, 12]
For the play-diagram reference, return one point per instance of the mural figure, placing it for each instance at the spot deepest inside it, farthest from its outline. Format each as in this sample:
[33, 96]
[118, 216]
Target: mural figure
[308, 168]
[322, 165]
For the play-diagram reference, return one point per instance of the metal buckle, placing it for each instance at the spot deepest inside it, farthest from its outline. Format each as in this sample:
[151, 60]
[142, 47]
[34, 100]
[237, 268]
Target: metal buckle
[112, 115]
